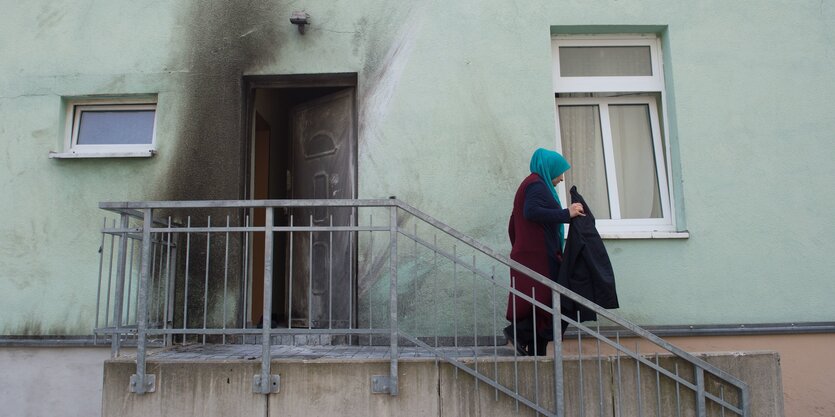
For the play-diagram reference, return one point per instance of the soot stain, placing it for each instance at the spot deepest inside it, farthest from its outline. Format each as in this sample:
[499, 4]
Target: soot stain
[222, 42]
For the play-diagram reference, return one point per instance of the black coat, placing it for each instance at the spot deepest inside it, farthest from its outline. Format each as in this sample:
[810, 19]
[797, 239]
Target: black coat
[586, 268]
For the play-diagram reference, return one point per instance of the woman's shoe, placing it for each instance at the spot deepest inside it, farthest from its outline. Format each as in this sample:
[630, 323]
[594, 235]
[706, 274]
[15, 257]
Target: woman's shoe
[541, 347]
[508, 334]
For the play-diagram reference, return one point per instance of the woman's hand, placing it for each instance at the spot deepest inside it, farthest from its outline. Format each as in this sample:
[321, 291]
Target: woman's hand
[575, 210]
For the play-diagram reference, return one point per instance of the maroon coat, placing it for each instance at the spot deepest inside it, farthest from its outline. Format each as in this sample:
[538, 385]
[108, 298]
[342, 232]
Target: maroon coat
[530, 249]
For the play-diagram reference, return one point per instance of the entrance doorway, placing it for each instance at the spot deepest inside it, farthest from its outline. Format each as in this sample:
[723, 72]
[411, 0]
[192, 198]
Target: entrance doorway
[302, 134]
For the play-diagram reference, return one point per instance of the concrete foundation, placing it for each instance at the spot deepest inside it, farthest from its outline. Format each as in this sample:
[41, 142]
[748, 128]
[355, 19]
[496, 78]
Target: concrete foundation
[51, 381]
[329, 387]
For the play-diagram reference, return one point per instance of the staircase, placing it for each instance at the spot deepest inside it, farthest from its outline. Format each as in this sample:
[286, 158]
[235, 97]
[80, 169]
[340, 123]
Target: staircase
[174, 274]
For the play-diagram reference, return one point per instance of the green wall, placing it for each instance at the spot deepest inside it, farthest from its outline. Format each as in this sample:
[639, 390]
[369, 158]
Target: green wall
[453, 97]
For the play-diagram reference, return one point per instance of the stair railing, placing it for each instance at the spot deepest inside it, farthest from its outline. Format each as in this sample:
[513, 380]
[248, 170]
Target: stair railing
[677, 375]
[414, 282]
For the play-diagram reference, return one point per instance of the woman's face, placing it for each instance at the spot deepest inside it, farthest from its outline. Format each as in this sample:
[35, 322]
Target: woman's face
[558, 180]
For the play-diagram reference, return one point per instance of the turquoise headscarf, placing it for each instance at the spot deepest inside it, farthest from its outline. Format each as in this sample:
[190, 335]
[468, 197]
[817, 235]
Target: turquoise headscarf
[549, 165]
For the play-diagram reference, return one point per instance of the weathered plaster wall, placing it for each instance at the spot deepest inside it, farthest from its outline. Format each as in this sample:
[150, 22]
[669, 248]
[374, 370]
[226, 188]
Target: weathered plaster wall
[453, 98]
[52, 50]
[755, 155]
[807, 372]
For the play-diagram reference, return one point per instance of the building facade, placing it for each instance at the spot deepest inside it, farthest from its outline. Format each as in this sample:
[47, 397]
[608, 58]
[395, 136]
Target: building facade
[710, 165]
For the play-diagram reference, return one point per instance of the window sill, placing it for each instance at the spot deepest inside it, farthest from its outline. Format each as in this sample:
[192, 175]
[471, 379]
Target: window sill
[77, 155]
[645, 235]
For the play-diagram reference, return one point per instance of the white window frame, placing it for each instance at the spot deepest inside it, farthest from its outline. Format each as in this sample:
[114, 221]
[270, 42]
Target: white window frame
[642, 91]
[616, 223]
[654, 82]
[72, 149]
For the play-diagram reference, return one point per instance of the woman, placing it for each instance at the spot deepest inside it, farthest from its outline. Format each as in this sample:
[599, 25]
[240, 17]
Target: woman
[536, 232]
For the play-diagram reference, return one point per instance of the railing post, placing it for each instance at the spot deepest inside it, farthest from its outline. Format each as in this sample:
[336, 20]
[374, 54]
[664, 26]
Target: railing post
[701, 407]
[116, 338]
[265, 383]
[556, 319]
[141, 383]
[172, 271]
[393, 300]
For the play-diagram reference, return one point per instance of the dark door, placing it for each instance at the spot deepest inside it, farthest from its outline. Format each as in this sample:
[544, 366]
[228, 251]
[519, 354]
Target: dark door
[323, 168]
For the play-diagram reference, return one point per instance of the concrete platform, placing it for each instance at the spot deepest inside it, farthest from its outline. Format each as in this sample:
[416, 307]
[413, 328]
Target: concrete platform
[216, 380]
[210, 352]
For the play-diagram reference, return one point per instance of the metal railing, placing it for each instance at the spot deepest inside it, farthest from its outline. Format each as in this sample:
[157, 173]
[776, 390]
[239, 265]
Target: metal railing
[372, 272]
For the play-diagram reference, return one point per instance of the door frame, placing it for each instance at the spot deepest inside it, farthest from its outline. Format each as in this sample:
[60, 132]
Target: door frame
[249, 84]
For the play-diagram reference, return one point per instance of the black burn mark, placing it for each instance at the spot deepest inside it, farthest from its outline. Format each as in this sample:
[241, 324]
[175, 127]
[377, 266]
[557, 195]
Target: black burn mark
[225, 40]
[33, 326]
[384, 39]
[222, 41]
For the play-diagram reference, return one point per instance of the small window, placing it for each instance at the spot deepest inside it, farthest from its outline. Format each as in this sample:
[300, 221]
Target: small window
[605, 61]
[591, 65]
[108, 128]
[320, 192]
[609, 110]
[319, 145]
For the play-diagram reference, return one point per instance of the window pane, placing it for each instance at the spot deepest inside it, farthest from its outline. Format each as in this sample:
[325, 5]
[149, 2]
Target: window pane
[320, 191]
[582, 144]
[125, 127]
[605, 61]
[635, 162]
